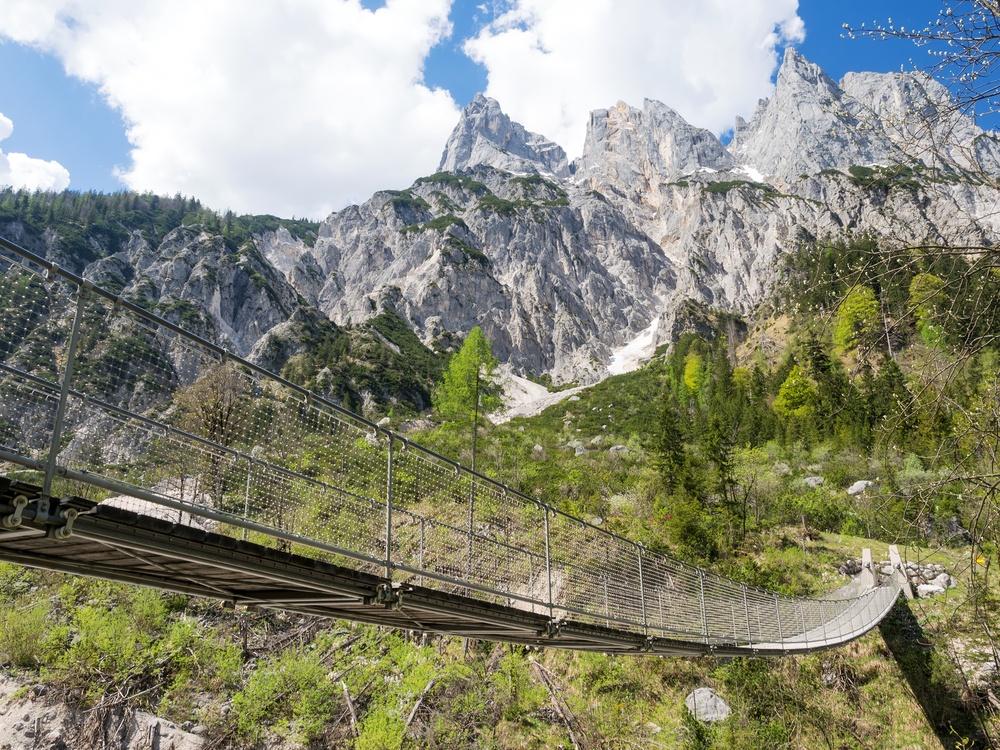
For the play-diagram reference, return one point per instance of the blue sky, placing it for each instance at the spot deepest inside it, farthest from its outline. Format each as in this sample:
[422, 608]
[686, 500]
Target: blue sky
[62, 118]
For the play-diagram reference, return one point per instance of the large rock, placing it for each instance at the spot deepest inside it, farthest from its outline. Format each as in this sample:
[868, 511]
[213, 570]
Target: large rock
[945, 581]
[859, 487]
[707, 705]
[927, 590]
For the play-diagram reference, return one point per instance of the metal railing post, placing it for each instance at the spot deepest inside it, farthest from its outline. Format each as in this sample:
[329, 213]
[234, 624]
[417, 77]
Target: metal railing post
[704, 609]
[777, 612]
[472, 511]
[746, 611]
[74, 337]
[802, 616]
[246, 498]
[388, 513]
[548, 563]
[531, 580]
[607, 601]
[421, 548]
[642, 594]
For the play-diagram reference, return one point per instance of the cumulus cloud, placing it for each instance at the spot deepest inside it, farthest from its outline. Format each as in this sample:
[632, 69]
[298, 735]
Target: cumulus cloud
[295, 107]
[21, 171]
[551, 62]
[299, 107]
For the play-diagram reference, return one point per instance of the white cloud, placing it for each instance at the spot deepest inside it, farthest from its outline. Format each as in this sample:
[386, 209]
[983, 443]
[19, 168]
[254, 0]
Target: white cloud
[551, 62]
[295, 107]
[21, 171]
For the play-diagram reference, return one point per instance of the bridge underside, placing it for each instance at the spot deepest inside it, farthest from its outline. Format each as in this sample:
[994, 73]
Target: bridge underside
[117, 545]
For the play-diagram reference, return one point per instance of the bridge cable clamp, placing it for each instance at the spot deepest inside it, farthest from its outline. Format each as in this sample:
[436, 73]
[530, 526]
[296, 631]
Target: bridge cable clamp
[14, 519]
[552, 629]
[69, 515]
[389, 595]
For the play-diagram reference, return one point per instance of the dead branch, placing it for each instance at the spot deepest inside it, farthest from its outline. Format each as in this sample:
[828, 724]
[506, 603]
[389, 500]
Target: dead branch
[555, 704]
[350, 706]
[416, 707]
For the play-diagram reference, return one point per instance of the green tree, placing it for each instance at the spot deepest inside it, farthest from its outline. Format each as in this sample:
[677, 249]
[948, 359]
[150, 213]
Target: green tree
[797, 396]
[926, 300]
[668, 449]
[471, 384]
[858, 316]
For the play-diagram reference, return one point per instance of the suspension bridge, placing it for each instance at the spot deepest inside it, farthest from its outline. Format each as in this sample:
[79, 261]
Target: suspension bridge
[134, 450]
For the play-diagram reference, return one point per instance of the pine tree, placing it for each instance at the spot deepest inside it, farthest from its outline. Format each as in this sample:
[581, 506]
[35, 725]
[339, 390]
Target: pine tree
[471, 384]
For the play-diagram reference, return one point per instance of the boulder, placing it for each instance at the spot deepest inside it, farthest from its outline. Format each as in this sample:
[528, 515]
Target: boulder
[858, 487]
[814, 481]
[707, 705]
[927, 590]
[955, 531]
[945, 581]
[620, 449]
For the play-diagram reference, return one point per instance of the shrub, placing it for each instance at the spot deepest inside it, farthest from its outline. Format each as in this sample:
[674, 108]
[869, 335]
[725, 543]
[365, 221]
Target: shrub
[21, 634]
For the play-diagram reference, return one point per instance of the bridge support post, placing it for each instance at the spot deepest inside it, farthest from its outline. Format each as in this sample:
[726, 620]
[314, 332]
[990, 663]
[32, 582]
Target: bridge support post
[74, 337]
[746, 612]
[868, 578]
[777, 612]
[898, 574]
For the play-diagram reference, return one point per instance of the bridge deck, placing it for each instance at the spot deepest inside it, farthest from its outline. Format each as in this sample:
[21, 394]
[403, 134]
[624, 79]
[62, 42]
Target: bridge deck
[118, 545]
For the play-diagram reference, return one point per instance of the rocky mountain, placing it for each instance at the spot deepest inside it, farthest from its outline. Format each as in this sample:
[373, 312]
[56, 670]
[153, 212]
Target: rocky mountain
[554, 275]
[562, 265]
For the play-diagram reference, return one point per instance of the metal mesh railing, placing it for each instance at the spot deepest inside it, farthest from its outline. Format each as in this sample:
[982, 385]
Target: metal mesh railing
[114, 400]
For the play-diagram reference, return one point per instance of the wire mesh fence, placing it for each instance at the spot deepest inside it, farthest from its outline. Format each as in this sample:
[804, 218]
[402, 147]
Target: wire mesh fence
[150, 418]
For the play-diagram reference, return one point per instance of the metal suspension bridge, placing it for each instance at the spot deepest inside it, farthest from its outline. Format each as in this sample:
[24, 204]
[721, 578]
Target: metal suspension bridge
[133, 450]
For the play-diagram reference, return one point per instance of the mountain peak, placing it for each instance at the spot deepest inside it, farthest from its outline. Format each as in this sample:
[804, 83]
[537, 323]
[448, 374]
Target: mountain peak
[807, 125]
[485, 135]
[652, 143]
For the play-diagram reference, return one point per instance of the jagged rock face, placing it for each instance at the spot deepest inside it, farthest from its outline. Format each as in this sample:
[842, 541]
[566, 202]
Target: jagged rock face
[560, 273]
[811, 123]
[555, 277]
[915, 113]
[807, 126]
[632, 155]
[485, 135]
[194, 280]
[639, 148]
[292, 258]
